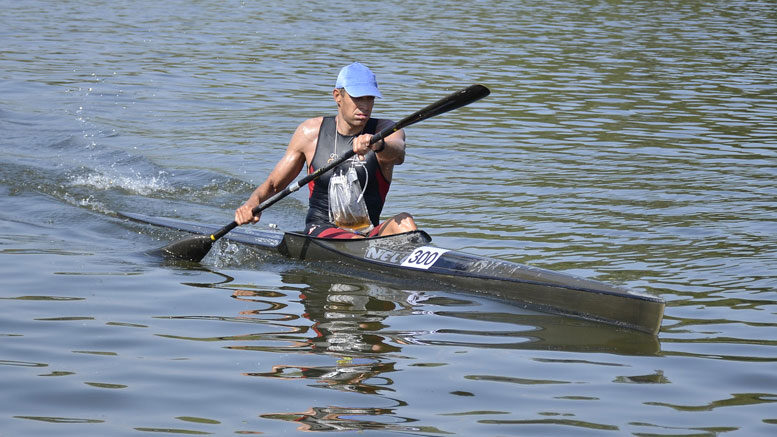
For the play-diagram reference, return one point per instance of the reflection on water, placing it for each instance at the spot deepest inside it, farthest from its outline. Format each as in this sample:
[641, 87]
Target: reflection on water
[359, 324]
[334, 418]
[349, 318]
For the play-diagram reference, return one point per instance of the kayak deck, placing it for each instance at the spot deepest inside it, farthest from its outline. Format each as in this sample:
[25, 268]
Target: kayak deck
[412, 256]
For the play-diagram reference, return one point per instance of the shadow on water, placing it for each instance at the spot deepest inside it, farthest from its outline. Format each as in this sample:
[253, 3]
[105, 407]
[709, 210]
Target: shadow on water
[347, 318]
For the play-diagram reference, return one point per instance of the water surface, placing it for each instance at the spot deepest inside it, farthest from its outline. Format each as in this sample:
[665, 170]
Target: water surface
[629, 142]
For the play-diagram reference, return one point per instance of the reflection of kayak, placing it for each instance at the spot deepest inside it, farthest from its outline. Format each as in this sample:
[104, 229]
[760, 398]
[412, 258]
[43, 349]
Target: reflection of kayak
[411, 256]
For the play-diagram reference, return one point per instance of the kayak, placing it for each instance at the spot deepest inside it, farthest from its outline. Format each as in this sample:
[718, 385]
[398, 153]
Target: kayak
[411, 256]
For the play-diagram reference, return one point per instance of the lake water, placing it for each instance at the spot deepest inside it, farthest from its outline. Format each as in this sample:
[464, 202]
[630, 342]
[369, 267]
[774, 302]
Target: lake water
[631, 142]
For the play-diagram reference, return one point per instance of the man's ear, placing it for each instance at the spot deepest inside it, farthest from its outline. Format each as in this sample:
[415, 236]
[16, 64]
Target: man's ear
[337, 96]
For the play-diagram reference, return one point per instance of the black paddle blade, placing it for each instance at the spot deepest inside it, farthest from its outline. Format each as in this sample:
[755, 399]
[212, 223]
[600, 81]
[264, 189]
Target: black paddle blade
[189, 249]
[453, 101]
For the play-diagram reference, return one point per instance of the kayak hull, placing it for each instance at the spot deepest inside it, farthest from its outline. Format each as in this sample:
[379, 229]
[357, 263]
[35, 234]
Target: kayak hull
[411, 257]
[530, 287]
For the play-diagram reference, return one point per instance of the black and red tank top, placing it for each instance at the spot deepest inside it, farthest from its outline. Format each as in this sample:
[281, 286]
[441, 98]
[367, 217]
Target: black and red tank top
[376, 184]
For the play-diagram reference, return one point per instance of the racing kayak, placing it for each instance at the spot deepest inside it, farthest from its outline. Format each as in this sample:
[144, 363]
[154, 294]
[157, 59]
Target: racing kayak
[412, 256]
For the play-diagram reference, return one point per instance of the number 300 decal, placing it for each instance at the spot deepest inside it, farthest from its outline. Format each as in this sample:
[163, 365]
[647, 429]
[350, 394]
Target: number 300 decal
[423, 257]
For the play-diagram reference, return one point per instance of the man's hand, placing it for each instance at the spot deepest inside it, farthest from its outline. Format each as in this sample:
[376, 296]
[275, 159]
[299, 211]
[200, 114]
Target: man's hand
[244, 215]
[361, 145]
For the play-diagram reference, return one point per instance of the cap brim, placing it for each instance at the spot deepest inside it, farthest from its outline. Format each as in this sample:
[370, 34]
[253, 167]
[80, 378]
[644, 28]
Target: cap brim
[361, 90]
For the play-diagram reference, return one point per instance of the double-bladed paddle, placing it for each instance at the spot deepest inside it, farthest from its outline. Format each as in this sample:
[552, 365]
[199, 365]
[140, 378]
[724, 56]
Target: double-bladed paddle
[195, 248]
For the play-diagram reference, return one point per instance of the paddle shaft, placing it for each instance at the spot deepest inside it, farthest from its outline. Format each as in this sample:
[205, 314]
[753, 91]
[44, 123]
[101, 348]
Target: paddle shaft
[449, 103]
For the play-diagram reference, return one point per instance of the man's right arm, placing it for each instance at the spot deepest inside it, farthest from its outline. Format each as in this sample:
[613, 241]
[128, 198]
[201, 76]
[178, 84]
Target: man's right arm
[281, 176]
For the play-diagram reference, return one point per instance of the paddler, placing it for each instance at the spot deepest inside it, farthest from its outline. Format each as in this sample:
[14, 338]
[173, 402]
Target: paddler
[357, 188]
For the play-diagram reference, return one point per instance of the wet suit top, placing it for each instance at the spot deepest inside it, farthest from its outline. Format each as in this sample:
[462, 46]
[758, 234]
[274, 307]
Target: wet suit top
[376, 184]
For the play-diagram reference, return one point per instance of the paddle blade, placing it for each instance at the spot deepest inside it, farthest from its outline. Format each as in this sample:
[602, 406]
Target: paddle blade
[453, 101]
[189, 249]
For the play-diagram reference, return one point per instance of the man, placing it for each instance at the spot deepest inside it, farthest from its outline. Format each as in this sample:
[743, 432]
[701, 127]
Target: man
[320, 139]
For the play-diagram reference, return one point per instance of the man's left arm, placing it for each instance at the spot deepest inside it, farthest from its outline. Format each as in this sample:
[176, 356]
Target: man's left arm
[390, 151]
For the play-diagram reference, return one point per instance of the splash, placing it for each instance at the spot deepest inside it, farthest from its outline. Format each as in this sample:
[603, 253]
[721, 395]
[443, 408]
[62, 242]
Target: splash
[136, 184]
[88, 202]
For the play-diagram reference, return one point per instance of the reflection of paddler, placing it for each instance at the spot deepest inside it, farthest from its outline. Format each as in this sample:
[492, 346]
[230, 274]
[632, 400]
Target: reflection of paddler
[331, 419]
[344, 317]
[244, 294]
[345, 320]
[350, 376]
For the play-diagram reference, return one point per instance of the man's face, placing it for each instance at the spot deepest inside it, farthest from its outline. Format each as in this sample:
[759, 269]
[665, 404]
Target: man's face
[355, 110]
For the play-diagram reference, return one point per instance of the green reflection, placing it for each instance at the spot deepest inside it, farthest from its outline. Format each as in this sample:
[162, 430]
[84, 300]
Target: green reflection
[106, 385]
[59, 419]
[172, 431]
[737, 400]
[198, 420]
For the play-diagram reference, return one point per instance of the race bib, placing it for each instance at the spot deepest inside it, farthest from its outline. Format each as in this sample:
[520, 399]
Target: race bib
[423, 257]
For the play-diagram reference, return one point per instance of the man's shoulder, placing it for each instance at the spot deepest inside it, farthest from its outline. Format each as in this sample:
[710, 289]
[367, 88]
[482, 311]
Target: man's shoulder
[314, 120]
[305, 137]
[310, 127]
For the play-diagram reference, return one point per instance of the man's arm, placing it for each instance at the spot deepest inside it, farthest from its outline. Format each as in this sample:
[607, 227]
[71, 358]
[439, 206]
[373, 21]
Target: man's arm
[390, 154]
[394, 150]
[284, 172]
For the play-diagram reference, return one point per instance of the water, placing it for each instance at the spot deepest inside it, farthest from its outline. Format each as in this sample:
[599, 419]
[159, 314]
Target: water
[630, 142]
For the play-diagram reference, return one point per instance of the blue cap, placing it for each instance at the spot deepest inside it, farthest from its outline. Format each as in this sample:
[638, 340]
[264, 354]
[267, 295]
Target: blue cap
[358, 81]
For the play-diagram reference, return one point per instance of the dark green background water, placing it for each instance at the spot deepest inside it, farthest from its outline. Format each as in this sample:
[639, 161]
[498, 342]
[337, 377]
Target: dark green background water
[632, 142]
